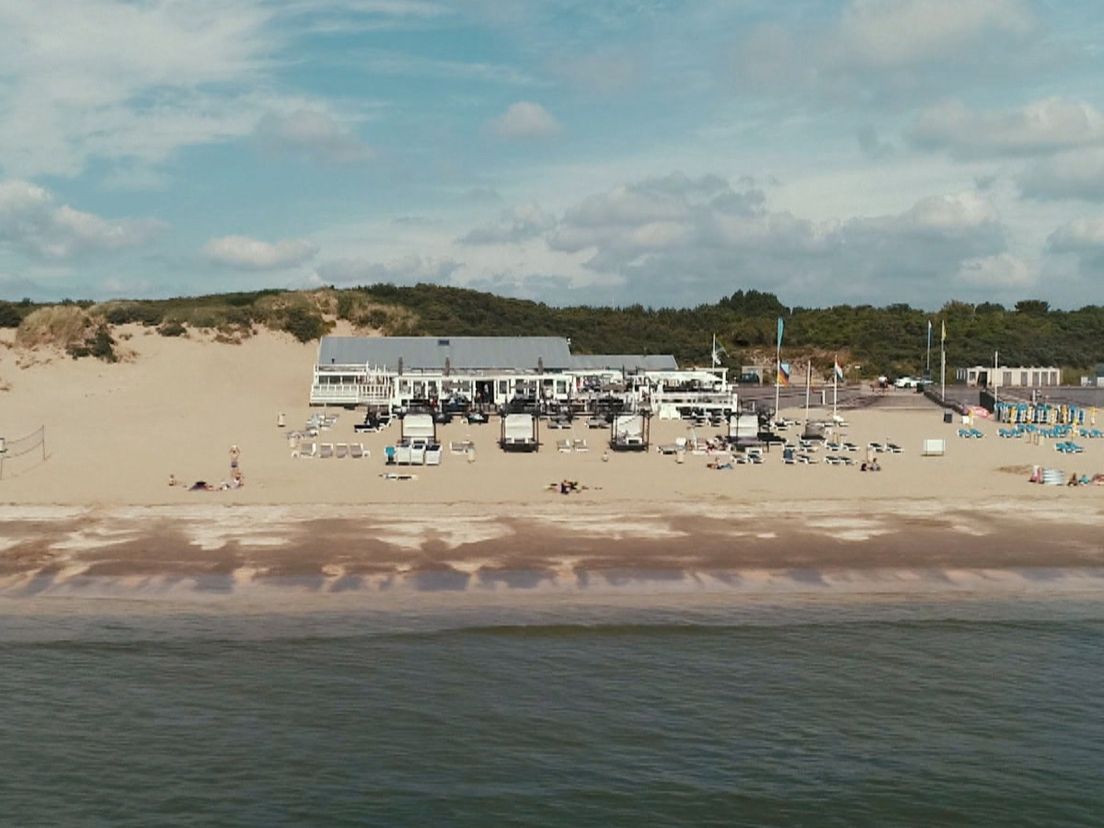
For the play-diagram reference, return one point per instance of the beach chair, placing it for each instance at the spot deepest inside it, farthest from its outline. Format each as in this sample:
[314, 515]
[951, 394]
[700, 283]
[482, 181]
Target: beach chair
[564, 446]
[580, 444]
[788, 456]
[341, 450]
[893, 448]
[325, 450]
[850, 447]
[356, 451]
[807, 460]
[306, 450]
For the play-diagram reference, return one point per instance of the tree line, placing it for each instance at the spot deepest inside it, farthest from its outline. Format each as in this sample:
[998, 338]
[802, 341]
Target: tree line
[870, 340]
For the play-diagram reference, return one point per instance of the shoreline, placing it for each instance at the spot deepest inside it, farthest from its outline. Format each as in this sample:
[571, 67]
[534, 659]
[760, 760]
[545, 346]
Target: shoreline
[891, 544]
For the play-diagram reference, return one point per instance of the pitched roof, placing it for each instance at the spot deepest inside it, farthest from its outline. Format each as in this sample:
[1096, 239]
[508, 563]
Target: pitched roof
[627, 362]
[522, 353]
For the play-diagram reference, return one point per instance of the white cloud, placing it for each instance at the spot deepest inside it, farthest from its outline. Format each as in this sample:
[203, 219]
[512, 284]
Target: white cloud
[396, 63]
[999, 271]
[32, 221]
[514, 225]
[245, 253]
[1041, 127]
[117, 80]
[314, 134]
[889, 51]
[1084, 235]
[884, 34]
[404, 270]
[1077, 174]
[525, 119]
[680, 240]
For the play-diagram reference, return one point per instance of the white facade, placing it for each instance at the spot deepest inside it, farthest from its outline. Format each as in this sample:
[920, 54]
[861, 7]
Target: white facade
[641, 381]
[1006, 377]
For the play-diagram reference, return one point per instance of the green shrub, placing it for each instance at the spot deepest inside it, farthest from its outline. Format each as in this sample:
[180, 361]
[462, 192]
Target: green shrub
[172, 329]
[10, 317]
[304, 324]
[100, 345]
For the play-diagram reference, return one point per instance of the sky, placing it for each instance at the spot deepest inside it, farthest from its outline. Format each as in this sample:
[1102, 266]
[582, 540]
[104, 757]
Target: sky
[571, 151]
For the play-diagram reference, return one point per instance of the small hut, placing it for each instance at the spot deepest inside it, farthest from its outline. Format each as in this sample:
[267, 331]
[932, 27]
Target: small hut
[630, 432]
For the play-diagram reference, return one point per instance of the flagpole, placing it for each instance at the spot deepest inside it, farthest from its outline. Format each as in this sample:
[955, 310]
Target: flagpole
[943, 361]
[777, 369]
[808, 386]
[927, 375]
[835, 386]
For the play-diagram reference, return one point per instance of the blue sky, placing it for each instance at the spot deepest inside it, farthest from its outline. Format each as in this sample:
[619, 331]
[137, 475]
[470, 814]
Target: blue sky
[860, 151]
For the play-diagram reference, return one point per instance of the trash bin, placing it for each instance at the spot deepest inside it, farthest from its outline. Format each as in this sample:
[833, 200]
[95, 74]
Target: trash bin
[948, 417]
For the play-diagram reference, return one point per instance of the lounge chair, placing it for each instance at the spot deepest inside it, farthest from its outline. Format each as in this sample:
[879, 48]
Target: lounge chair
[564, 446]
[460, 446]
[356, 450]
[341, 450]
[306, 450]
[325, 450]
[893, 448]
[788, 456]
[580, 444]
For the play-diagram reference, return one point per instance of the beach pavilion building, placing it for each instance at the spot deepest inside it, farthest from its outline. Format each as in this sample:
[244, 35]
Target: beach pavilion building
[988, 376]
[389, 373]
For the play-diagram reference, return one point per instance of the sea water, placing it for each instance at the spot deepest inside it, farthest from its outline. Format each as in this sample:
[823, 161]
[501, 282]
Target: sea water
[963, 710]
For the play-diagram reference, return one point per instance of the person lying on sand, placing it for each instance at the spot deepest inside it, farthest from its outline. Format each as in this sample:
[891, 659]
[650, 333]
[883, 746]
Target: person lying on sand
[201, 486]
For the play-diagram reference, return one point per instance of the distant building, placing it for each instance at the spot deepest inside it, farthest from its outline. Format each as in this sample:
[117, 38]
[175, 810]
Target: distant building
[987, 376]
[395, 372]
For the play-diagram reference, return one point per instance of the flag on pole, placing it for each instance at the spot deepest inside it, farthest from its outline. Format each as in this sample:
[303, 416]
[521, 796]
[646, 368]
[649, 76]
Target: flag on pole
[838, 369]
[943, 333]
[781, 325]
[783, 373]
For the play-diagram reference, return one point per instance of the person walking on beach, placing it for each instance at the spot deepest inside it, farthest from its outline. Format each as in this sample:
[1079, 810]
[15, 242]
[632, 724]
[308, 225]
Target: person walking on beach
[235, 453]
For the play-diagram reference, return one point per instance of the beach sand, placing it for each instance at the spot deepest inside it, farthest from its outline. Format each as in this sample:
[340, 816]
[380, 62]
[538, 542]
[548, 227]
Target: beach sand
[100, 505]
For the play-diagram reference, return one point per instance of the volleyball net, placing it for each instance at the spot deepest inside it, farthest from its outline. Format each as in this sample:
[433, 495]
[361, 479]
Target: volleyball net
[30, 446]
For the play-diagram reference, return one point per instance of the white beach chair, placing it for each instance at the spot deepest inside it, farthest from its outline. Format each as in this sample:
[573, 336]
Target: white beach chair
[341, 450]
[325, 450]
[306, 450]
[564, 446]
[580, 444]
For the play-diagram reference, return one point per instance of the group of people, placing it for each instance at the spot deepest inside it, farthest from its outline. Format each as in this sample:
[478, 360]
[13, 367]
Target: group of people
[236, 481]
[566, 486]
[873, 465]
